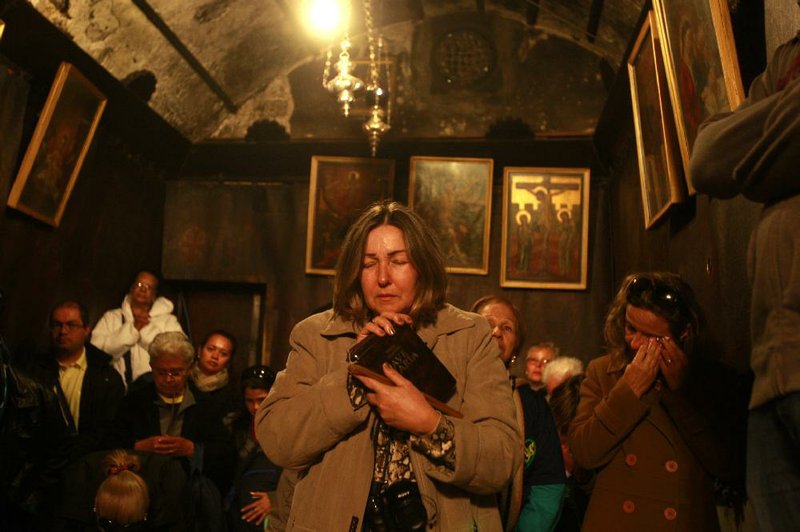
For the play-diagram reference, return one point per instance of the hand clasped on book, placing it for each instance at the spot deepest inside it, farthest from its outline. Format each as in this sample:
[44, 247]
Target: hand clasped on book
[407, 353]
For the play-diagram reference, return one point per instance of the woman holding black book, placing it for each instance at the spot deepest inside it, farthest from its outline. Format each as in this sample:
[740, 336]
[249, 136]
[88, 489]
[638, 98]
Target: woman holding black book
[376, 456]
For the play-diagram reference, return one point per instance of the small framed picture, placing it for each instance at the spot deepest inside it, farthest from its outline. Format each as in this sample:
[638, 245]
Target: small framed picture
[58, 147]
[701, 65]
[454, 196]
[545, 228]
[340, 189]
[656, 144]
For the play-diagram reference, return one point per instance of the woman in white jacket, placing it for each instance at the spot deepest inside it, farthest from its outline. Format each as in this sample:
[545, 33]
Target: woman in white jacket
[125, 333]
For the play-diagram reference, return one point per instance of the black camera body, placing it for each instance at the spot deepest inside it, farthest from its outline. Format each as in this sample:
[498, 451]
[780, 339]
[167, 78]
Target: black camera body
[398, 508]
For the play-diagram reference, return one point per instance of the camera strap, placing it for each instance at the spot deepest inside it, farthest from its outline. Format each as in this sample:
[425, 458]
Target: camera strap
[377, 485]
[373, 519]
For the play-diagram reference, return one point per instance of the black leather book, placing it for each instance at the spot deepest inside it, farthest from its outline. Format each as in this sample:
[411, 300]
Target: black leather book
[407, 353]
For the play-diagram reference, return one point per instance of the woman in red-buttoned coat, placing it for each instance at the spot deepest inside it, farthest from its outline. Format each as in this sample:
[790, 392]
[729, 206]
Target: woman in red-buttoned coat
[646, 420]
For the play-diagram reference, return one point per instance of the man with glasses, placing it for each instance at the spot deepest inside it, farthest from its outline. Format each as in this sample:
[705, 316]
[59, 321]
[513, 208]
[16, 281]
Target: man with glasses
[125, 333]
[81, 375]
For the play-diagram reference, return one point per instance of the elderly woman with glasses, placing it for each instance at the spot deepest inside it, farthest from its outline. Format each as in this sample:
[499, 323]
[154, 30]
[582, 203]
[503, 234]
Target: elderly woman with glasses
[376, 452]
[166, 418]
[535, 497]
[654, 414]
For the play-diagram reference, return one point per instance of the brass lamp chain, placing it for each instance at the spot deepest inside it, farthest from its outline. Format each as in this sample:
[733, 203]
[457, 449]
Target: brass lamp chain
[326, 71]
[373, 60]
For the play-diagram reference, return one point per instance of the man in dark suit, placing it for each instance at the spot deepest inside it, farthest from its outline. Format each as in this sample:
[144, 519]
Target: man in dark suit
[82, 375]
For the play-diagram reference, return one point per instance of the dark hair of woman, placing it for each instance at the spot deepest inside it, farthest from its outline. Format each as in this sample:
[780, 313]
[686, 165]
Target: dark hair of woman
[225, 334]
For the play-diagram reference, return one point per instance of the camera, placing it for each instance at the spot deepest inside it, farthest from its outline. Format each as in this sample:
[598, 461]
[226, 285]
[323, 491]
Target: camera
[398, 508]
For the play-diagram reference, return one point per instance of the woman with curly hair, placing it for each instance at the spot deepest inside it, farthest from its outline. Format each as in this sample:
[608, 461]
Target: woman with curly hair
[654, 414]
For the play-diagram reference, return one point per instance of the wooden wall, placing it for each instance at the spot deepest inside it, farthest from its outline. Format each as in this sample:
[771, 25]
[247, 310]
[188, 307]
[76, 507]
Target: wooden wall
[703, 240]
[112, 224]
[570, 318]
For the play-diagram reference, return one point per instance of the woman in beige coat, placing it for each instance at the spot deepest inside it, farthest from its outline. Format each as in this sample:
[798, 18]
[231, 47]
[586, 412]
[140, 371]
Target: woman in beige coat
[652, 414]
[353, 440]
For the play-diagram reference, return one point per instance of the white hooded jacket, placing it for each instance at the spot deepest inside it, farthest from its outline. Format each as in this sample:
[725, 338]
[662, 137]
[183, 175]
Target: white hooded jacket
[116, 335]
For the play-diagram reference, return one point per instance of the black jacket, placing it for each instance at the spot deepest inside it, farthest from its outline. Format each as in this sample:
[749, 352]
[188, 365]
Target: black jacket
[33, 443]
[101, 392]
[138, 419]
[170, 506]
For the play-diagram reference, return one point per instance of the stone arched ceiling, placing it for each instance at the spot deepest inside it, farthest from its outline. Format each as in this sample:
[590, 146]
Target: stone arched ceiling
[218, 66]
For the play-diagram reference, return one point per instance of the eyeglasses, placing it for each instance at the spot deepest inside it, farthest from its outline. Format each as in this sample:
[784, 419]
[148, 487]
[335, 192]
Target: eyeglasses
[145, 286]
[68, 325]
[661, 295]
[539, 362]
[164, 373]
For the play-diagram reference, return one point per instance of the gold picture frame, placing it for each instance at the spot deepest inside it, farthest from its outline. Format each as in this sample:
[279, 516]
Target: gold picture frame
[454, 196]
[58, 147]
[545, 239]
[339, 190]
[701, 65]
[659, 168]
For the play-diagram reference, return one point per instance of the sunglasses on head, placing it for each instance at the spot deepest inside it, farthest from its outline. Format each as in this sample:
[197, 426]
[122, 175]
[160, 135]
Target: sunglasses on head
[661, 295]
[263, 373]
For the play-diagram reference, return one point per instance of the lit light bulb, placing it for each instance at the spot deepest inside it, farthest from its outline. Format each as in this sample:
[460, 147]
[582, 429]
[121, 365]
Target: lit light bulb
[325, 18]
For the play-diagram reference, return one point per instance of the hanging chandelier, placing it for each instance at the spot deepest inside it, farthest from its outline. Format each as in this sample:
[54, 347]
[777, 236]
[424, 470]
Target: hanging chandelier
[346, 86]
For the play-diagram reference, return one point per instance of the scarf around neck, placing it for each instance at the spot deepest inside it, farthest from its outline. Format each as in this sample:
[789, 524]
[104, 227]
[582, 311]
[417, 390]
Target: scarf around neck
[208, 383]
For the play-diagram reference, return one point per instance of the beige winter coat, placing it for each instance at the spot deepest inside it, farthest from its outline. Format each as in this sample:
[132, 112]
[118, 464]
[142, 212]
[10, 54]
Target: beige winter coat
[308, 424]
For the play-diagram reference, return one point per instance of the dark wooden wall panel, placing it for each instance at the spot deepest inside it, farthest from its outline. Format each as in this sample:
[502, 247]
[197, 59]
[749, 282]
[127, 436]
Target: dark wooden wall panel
[113, 221]
[111, 227]
[703, 240]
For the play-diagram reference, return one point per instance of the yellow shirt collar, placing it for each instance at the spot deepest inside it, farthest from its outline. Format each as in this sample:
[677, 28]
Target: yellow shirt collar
[80, 364]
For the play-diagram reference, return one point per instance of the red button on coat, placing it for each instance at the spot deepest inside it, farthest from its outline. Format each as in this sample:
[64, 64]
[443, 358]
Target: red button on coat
[670, 514]
[628, 507]
[671, 466]
[630, 459]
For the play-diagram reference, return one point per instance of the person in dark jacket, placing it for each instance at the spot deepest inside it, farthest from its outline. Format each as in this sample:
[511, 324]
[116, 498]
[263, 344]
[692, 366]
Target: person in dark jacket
[33, 433]
[82, 376]
[165, 417]
[535, 496]
[213, 373]
[167, 487]
[251, 500]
